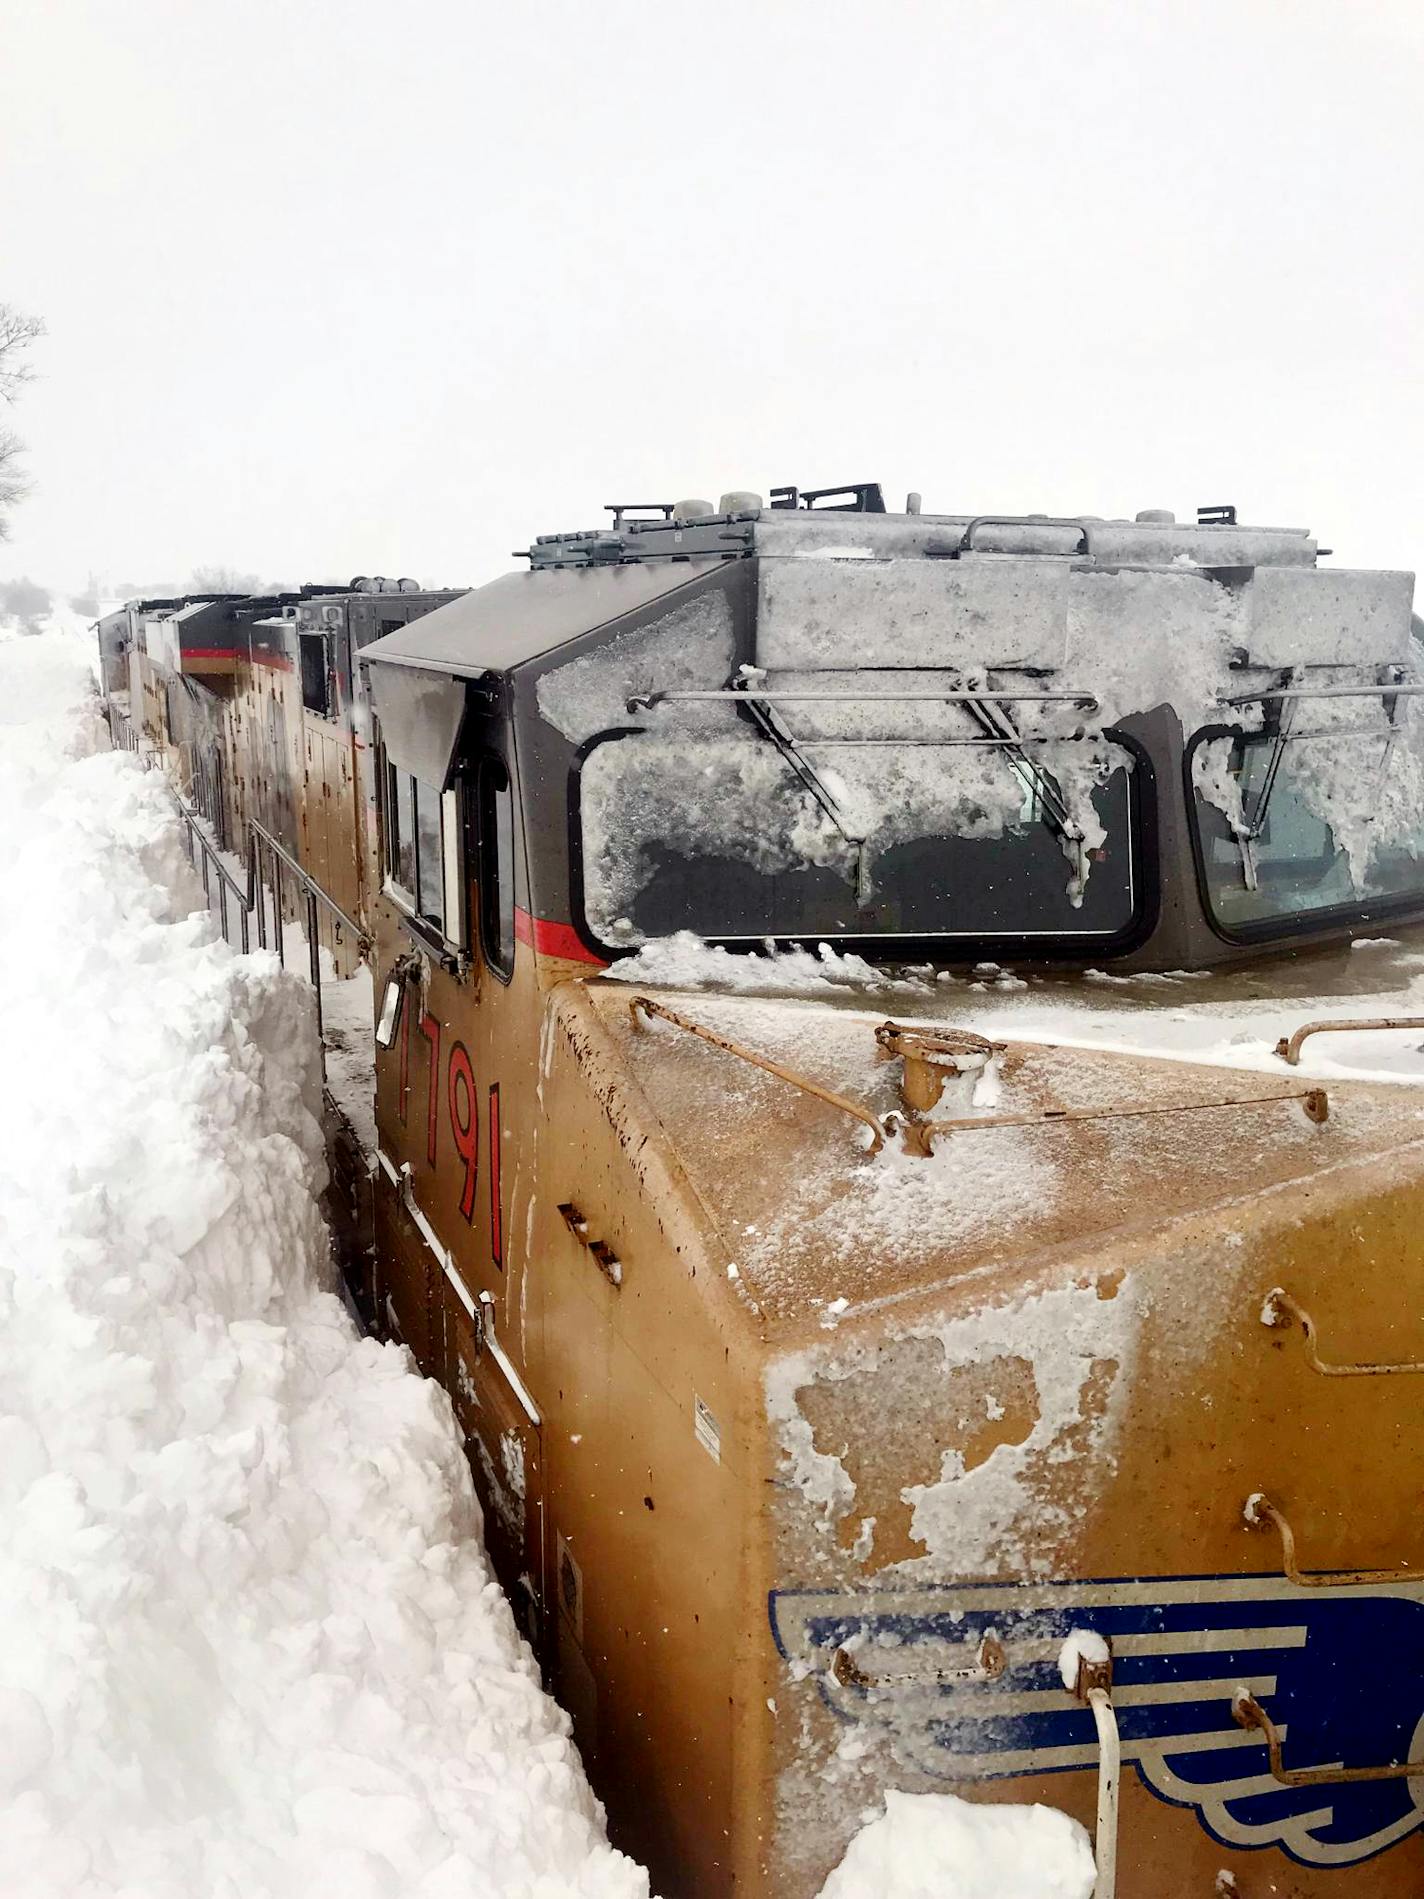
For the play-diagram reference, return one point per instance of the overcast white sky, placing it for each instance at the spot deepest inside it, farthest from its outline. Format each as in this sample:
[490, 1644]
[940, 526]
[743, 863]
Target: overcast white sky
[392, 285]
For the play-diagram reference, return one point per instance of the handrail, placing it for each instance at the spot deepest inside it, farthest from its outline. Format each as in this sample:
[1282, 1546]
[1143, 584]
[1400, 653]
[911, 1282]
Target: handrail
[303, 877]
[1404, 691]
[1248, 1713]
[1092, 1685]
[1289, 1047]
[206, 855]
[966, 543]
[647, 701]
[209, 853]
[123, 734]
[260, 836]
[1281, 1310]
[1314, 1101]
[1260, 1511]
[250, 900]
[645, 1005]
[990, 1661]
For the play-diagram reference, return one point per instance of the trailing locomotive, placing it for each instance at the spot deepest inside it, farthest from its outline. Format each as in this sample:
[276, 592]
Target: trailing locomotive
[256, 707]
[824, 1364]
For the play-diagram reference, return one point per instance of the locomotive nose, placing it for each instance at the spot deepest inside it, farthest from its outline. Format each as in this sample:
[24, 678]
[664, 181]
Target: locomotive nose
[1015, 1380]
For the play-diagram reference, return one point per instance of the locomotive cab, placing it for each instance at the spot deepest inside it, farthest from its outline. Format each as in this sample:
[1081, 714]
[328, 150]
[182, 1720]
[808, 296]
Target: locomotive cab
[819, 1372]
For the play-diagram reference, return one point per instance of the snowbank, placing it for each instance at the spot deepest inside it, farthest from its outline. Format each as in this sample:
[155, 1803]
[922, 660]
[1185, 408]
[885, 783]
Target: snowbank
[249, 1642]
[934, 1846]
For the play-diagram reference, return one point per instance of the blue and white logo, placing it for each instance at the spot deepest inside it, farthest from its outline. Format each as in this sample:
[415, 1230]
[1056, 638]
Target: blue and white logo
[1340, 1671]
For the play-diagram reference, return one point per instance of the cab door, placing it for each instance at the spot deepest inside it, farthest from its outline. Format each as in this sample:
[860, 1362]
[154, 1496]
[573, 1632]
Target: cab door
[462, 1033]
[487, 1356]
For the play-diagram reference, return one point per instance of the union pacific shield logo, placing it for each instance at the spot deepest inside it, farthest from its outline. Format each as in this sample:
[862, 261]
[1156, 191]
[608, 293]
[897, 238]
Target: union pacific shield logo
[1340, 1670]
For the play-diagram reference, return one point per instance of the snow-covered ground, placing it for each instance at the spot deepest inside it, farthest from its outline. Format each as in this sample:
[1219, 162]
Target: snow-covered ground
[249, 1641]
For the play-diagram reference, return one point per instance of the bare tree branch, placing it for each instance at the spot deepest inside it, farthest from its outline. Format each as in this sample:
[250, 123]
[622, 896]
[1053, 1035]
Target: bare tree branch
[220, 579]
[13, 486]
[17, 332]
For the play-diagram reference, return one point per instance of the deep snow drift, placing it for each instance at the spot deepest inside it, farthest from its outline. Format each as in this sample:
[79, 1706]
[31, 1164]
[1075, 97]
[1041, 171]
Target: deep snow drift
[249, 1642]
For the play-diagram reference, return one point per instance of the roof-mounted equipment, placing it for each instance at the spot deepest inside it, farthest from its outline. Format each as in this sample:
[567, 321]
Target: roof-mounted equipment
[859, 497]
[632, 511]
[1080, 528]
[1223, 514]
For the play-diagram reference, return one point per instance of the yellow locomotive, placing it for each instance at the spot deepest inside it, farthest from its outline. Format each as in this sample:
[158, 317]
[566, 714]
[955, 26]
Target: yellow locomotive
[832, 1338]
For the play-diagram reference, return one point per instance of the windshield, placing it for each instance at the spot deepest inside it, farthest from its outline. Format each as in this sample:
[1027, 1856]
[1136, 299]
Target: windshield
[1291, 826]
[732, 837]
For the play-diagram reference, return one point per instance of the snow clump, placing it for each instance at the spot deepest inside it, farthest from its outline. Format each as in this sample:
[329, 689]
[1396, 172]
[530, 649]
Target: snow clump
[936, 1846]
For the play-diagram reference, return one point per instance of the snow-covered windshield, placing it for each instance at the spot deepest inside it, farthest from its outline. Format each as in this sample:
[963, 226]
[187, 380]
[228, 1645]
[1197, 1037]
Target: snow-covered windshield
[1327, 820]
[731, 837]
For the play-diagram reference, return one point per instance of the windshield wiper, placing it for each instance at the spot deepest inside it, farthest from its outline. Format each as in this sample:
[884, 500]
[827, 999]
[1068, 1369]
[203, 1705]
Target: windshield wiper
[1285, 698]
[765, 720]
[997, 722]
[1249, 830]
[994, 720]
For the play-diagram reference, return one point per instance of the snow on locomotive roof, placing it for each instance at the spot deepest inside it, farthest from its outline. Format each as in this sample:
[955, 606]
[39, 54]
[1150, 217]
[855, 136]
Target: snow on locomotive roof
[833, 533]
[948, 578]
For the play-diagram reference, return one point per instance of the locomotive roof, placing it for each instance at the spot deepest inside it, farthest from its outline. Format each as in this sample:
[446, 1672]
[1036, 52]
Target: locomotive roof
[521, 616]
[581, 581]
[1154, 539]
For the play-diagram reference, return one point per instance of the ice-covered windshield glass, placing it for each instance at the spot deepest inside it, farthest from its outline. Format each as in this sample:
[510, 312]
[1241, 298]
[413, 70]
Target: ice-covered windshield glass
[728, 836]
[1325, 820]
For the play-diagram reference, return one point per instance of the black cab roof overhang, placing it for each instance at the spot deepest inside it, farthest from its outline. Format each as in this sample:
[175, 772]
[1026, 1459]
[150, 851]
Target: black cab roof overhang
[418, 673]
[520, 617]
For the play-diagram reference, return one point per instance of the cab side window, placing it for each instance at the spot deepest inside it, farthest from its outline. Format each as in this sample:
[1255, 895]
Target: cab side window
[422, 848]
[400, 831]
[496, 858]
[315, 653]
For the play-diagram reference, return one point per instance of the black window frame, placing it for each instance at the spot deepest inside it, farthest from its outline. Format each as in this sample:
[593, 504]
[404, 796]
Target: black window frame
[388, 778]
[428, 803]
[431, 932]
[1314, 922]
[499, 938]
[888, 950]
[322, 641]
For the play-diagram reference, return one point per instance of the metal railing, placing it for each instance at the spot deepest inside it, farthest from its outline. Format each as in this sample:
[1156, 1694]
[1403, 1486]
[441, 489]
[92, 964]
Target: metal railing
[123, 735]
[206, 858]
[200, 769]
[271, 874]
[315, 902]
